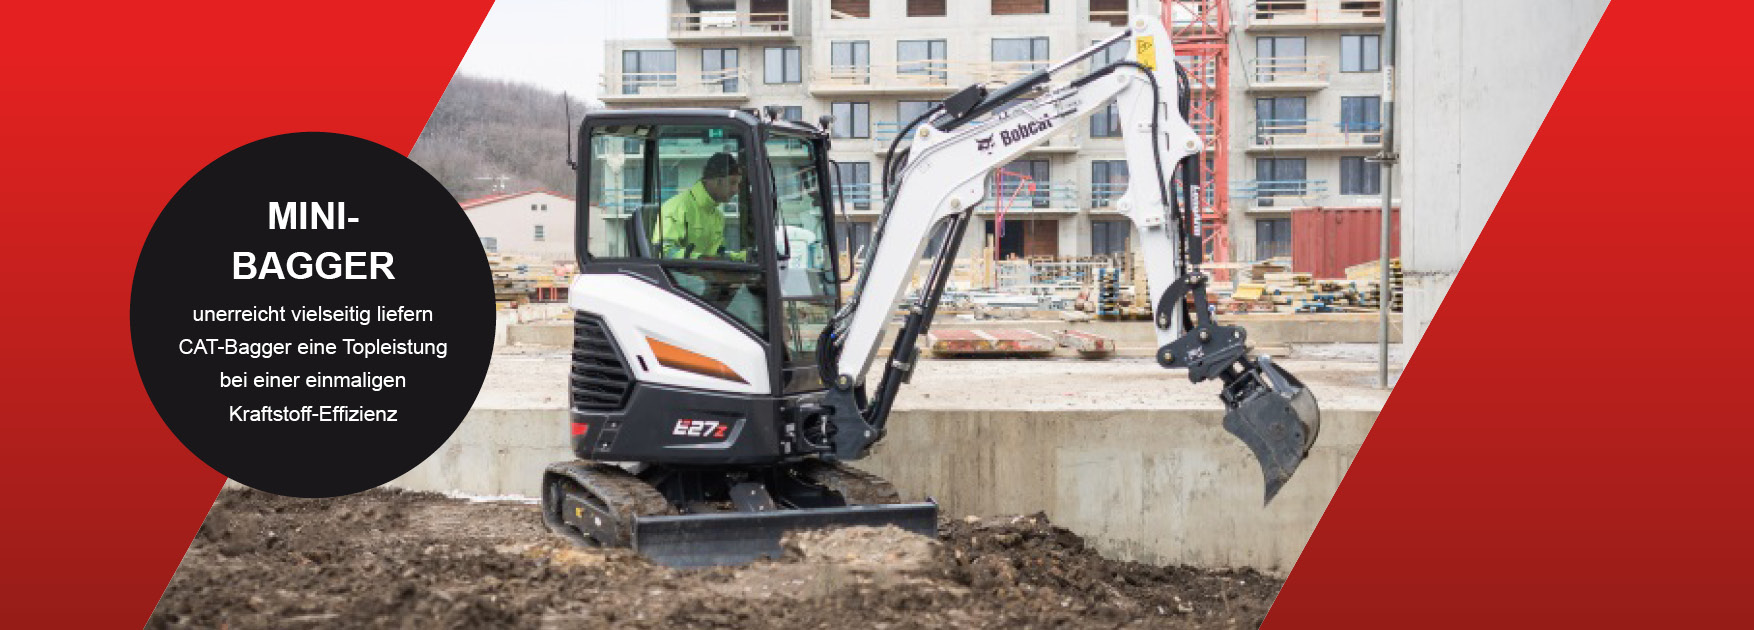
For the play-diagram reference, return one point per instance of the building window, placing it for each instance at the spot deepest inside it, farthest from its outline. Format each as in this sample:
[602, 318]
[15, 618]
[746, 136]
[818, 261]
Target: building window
[925, 8]
[852, 120]
[1279, 177]
[1280, 116]
[923, 58]
[784, 65]
[907, 111]
[1110, 53]
[1020, 7]
[1281, 58]
[647, 68]
[718, 66]
[1021, 53]
[1272, 238]
[1359, 177]
[1109, 238]
[1114, 12]
[1365, 8]
[850, 61]
[1273, 8]
[845, 9]
[854, 238]
[1106, 122]
[1360, 53]
[854, 183]
[1011, 183]
[539, 233]
[794, 113]
[1362, 114]
[1108, 179]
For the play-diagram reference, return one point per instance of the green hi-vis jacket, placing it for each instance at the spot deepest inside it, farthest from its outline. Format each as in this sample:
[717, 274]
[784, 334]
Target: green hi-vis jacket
[691, 226]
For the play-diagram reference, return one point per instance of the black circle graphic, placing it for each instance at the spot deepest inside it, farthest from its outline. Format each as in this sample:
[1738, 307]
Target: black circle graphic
[256, 274]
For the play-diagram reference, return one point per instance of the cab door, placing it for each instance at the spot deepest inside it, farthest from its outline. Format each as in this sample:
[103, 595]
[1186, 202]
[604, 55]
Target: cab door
[808, 291]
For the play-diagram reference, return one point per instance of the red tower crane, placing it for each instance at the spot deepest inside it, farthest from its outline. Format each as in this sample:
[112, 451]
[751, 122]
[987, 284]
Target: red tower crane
[1201, 30]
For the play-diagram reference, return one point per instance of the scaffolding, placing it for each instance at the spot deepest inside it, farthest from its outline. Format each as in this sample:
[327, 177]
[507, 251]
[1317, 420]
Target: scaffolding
[1200, 30]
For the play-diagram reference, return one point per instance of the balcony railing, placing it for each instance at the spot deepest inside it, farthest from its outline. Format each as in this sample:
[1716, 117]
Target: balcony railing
[1006, 71]
[1053, 196]
[730, 25]
[1309, 133]
[1103, 195]
[930, 75]
[927, 76]
[1315, 13]
[732, 84]
[883, 132]
[1281, 193]
[1288, 71]
[860, 196]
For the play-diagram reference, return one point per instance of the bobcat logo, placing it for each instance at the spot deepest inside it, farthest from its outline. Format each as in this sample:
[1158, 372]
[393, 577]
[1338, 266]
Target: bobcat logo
[985, 145]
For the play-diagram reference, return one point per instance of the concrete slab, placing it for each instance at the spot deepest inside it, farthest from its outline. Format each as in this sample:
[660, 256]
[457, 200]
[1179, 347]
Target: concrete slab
[1086, 344]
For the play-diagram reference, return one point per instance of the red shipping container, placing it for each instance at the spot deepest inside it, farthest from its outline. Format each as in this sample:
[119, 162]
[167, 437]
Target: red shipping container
[1325, 241]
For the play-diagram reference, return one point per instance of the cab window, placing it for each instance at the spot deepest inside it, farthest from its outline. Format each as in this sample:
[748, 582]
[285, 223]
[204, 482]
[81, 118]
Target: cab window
[679, 194]
[806, 268]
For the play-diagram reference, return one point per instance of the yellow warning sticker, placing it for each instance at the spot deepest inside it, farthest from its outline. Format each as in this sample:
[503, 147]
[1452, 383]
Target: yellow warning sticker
[1147, 51]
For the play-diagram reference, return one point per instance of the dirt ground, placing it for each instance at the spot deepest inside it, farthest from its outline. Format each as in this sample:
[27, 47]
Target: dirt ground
[385, 559]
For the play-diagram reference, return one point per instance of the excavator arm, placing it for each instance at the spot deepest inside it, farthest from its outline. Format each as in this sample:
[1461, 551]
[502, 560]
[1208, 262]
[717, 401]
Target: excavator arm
[955, 148]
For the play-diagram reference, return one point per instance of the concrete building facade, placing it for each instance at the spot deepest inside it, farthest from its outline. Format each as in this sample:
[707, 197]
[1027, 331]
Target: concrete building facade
[1306, 87]
[535, 224]
[876, 64]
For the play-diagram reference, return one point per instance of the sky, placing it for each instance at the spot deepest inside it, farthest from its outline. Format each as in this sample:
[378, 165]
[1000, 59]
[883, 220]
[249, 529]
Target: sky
[558, 44]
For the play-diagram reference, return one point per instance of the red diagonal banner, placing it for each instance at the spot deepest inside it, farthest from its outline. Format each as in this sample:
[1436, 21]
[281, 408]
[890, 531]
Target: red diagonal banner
[108, 110]
[1566, 448]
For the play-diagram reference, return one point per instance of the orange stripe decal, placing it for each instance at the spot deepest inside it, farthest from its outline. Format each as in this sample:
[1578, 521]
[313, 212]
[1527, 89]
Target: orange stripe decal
[679, 359]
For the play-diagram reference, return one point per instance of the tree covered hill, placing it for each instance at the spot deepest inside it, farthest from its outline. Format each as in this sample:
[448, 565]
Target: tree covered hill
[485, 129]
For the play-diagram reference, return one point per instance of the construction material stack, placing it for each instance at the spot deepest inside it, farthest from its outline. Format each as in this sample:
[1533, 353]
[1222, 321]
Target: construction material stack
[1368, 278]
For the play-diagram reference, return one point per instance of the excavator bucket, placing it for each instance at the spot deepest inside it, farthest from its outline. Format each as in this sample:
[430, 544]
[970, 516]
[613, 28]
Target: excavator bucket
[1277, 417]
[736, 538]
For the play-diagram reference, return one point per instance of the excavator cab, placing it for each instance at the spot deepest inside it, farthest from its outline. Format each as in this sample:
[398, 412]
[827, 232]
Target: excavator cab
[731, 209]
[708, 273]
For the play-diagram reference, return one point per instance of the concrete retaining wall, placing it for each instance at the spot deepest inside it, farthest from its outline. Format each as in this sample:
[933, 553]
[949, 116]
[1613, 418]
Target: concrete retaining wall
[1264, 329]
[495, 452]
[1163, 486]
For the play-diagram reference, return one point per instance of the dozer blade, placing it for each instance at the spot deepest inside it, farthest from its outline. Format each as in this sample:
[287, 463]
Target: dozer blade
[735, 538]
[1277, 417]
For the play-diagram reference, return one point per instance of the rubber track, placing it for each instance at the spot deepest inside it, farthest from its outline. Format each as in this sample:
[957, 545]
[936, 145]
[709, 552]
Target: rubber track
[856, 486]
[625, 495]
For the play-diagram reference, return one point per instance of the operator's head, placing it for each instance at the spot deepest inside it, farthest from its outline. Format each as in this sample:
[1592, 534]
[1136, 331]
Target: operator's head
[722, 177]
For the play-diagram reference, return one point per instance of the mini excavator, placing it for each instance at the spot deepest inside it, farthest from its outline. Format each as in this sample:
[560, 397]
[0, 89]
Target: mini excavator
[718, 382]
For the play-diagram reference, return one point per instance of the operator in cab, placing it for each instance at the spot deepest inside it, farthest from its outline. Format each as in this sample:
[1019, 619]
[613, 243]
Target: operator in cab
[691, 225]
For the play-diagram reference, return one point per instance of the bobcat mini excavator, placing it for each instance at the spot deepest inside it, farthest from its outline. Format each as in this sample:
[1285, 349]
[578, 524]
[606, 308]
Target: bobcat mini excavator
[718, 383]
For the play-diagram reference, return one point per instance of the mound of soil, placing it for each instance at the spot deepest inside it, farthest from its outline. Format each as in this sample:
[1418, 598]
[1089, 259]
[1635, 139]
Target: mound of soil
[385, 559]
